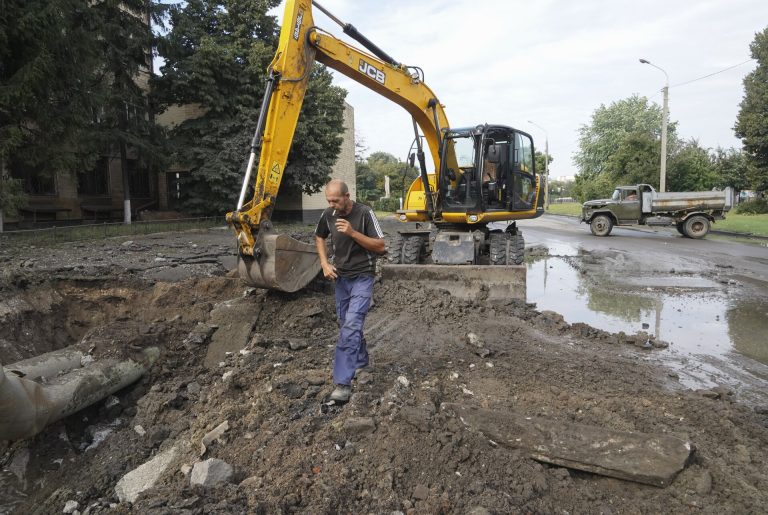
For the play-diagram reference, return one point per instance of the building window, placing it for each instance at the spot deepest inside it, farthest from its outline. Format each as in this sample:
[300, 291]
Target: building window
[138, 178]
[95, 181]
[36, 181]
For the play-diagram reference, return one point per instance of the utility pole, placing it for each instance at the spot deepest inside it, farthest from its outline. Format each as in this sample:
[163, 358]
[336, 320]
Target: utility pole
[546, 164]
[664, 118]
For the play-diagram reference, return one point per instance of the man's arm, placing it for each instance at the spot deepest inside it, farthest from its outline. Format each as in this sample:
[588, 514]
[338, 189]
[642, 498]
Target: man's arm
[375, 245]
[329, 271]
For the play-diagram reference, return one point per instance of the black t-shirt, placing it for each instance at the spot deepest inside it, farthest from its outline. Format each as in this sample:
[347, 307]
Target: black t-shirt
[349, 258]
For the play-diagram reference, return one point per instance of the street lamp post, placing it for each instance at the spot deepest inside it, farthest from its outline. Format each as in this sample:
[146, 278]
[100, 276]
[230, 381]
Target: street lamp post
[664, 116]
[546, 164]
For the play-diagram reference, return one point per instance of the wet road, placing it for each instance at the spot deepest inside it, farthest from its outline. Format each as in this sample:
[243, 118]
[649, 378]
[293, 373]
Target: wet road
[660, 244]
[708, 298]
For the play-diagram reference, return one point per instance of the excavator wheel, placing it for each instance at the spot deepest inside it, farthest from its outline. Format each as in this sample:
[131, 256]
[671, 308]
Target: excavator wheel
[516, 252]
[412, 249]
[507, 249]
[498, 249]
[395, 249]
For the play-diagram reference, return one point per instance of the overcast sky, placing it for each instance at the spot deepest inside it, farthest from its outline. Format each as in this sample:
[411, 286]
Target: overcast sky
[554, 62]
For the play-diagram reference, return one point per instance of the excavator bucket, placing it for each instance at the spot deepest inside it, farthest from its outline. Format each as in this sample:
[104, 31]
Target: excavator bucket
[284, 263]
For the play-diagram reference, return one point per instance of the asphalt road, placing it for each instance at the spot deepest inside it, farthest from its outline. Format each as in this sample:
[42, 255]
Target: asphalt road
[657, 245]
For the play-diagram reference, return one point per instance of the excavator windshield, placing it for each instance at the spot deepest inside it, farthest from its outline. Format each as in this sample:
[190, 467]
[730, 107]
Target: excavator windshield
[460, 186]
[495, 170]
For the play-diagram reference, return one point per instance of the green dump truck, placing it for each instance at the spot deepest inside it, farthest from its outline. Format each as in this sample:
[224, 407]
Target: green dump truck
[692, 212]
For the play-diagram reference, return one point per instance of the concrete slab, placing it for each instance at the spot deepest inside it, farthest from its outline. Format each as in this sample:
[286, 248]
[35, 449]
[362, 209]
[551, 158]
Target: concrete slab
[235, 320]
[144, 476]
[471, 282]
[644, 458]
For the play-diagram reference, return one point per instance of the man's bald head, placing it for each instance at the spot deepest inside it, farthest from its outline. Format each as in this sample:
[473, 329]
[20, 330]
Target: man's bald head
[337, 195]
[337, 186]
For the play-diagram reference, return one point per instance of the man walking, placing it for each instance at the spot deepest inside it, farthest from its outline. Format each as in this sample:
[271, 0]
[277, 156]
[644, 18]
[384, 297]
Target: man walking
[357, 240]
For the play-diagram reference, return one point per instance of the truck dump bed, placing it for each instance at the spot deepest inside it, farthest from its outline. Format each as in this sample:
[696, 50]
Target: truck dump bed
[656, 202]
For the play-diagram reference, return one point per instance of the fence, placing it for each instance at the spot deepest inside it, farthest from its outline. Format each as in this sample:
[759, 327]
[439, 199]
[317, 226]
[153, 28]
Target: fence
[52, 235]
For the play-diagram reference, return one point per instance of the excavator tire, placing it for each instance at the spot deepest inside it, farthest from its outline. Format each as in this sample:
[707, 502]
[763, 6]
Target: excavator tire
[507, 249]
[498, 249]
[412, 250]
[516, 252]
[395, 249]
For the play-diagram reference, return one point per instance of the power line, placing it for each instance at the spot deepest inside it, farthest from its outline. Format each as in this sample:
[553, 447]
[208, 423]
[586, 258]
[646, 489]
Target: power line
[711, 74]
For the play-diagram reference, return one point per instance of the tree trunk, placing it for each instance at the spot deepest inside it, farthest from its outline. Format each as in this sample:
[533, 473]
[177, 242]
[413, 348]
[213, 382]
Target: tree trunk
[124, 169]
[1, 220]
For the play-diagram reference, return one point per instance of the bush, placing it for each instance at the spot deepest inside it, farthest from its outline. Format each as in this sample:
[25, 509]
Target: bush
[388, 204]
[757, 206]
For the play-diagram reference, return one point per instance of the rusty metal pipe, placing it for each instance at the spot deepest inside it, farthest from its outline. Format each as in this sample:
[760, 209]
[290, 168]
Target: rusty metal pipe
[26, 406]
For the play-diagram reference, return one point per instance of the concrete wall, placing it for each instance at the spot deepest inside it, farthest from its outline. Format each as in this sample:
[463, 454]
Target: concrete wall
[175, 114]
[308, 208]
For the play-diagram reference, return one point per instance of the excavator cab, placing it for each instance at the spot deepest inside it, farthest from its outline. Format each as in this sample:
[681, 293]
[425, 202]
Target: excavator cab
[494, 174]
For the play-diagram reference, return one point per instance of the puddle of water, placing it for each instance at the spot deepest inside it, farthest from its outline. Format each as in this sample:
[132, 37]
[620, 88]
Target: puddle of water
[696, 320]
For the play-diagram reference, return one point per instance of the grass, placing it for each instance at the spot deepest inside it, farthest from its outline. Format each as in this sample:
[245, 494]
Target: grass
[751, 224]
[754, 224]
[566, 208]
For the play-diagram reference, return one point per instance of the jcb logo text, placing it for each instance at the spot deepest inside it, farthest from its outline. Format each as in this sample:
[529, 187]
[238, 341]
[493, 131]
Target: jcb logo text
[371, 71]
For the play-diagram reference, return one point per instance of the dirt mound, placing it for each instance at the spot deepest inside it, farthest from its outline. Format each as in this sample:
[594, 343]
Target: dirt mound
[393, 447]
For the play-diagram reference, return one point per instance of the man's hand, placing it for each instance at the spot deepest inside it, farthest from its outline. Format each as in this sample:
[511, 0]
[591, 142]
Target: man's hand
[344, 227]
[329, 271]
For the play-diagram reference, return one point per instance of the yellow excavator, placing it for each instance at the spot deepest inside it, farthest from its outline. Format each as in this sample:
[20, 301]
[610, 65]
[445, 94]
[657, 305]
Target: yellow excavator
[463, 213]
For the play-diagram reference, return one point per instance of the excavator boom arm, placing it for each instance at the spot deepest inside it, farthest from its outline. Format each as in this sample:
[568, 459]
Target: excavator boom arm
[300, 44]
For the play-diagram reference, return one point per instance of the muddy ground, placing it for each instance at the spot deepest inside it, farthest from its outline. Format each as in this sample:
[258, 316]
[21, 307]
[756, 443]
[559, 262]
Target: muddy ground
[260, 361]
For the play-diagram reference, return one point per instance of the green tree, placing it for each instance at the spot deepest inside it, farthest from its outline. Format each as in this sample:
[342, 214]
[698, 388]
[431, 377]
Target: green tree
[401, 174]
[691, 169]
[559, 188]
[636, 160]
[371, 172]
[12, 197]
[366, 182]
[599, 140]
[216, 54]
[752, 120]
[540, 162]
[586, 188]
[48, 89]
[126, 124]
[732, 167]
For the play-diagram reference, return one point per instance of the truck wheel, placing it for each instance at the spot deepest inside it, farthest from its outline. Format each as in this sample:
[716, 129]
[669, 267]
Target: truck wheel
[412, 250]
[680, 228]
[696, 227]
[601, 225]
[395, 249]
